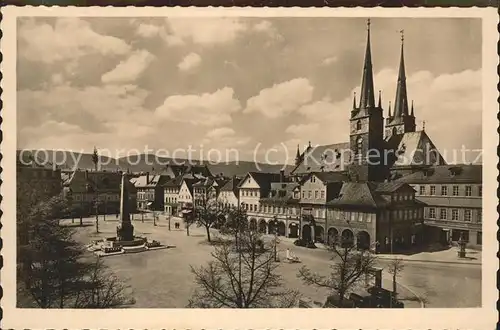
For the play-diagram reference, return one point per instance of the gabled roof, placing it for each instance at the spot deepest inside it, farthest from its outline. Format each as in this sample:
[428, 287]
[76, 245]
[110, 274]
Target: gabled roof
[411, 149]
[263, 180]
[189, 183]
[446, 174]
[326, 158]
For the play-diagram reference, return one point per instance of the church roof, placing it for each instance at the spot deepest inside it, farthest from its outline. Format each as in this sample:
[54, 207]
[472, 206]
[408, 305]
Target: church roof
[325, 158]
[411, 149]
[327, 177]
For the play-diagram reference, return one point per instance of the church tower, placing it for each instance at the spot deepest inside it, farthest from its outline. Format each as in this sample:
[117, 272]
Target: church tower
[366, 128]
[401, 121]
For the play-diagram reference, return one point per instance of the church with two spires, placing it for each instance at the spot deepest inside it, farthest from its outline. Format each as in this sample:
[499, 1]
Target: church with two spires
[397, 190]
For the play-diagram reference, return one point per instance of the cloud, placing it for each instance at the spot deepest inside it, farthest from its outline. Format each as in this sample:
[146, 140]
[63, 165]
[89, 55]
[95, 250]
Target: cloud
[130, 69]
[329, 60]
[189, 62]
[81, 117]
[281, 99]
[204, 31]
[67, 39]
[302, 129]
[268, 28]
[220, 132]
[208, 109]
[148, 30]
[439, 100]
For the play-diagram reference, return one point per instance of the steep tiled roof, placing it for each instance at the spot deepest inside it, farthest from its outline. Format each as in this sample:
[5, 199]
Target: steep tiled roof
[326, 158]
[232, 185]
[446, 174]
[174, 183]
[411, 149]
[388, 187]
[327, 177]
[358, 194]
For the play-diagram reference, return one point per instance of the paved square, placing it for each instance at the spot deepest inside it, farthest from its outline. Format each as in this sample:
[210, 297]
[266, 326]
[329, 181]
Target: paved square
[162, 279]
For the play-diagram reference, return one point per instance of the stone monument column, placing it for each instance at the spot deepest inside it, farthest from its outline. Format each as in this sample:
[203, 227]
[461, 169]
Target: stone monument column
[125, 230]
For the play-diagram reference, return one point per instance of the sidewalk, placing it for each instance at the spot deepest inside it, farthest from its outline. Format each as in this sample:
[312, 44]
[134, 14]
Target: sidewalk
[450, 256]
[473, 257]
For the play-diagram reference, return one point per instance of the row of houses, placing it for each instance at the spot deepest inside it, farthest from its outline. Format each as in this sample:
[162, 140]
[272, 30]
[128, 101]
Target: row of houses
[433, 204]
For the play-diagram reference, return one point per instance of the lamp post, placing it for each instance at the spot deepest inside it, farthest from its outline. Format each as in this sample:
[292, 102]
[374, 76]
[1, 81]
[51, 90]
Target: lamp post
[97, 213]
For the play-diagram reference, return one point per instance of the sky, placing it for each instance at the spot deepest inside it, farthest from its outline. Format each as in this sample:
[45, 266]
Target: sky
[251, 84]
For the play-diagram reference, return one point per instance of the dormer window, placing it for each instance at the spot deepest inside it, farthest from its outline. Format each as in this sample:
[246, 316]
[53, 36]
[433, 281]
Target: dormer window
[358, 125]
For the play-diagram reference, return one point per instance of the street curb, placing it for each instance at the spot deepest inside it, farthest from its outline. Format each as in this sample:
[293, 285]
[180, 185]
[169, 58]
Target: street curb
[422, 303]
[433, 261]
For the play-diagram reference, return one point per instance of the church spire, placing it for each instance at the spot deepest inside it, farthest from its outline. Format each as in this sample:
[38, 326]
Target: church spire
[379, 99]
[412, 113]
[389, 115]
[354, 101]
[401, 102]
[367, 98]
[298, 158]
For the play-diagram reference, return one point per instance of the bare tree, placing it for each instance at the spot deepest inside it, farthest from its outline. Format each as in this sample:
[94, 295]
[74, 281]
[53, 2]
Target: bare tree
[395, 268]
[348, 268]
[206, 213]
[242, 274]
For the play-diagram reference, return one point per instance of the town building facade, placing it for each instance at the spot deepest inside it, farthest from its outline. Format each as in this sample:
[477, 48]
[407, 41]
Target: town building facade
[453, 198]
[92, 192]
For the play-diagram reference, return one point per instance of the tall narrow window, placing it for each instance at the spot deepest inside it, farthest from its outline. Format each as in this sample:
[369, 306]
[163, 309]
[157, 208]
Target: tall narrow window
[468, 191]
[358, 125]
[443, 215]
[455, 190]
[422, 190]
[444, 190]
[467, 215]
[359, 145]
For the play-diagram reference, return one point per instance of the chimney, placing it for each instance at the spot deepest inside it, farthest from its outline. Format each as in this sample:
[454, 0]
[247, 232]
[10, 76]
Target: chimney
[147, 177]
[282, 175]
[86, 175]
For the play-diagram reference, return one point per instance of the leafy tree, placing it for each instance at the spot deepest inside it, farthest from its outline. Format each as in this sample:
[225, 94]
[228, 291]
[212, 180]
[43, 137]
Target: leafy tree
[349, 267]
[53, 269]
[242, 273]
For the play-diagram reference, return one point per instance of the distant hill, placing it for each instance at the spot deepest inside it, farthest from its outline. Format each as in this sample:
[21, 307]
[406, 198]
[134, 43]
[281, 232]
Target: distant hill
[145, 163]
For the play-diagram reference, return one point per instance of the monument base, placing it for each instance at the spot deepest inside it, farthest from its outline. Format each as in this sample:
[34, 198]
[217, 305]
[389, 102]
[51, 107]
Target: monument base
[125, 232]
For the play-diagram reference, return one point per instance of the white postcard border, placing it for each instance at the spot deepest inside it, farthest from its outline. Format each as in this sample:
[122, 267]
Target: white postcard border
[476, 318]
